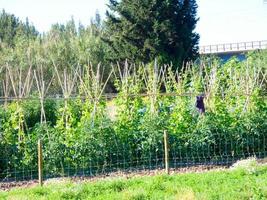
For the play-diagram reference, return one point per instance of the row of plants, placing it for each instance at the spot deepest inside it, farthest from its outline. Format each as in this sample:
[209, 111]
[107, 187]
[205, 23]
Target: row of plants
[87, 132]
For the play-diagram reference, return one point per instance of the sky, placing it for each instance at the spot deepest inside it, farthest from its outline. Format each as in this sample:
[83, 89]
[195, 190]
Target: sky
[220, 21]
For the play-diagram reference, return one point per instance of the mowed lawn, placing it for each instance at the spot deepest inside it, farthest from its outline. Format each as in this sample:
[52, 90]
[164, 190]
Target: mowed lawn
[240, 183]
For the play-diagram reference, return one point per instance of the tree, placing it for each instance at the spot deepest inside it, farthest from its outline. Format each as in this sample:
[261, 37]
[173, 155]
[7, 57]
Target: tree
[11, 28]
[143, 30]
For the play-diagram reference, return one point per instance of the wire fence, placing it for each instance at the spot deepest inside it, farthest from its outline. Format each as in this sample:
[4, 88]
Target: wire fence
[110, 147]
[126, 159]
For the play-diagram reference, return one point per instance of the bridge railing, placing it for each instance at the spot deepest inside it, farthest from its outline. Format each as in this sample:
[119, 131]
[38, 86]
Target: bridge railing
[233, 47]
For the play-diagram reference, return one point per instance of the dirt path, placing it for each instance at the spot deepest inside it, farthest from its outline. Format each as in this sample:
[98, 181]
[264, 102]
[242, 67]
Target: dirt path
[6, 186]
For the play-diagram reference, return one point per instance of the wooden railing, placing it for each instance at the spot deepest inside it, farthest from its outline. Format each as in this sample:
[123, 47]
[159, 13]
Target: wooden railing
[233, 47]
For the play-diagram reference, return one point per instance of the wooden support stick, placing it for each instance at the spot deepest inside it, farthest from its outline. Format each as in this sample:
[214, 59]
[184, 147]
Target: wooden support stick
[40, 163]
[166, 150]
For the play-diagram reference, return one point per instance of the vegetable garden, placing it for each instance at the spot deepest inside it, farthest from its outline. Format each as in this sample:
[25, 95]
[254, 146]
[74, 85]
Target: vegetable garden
[86, 131]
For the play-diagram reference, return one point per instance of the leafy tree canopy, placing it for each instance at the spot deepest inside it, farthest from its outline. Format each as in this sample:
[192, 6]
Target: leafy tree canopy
[143, 30]
[11, 28]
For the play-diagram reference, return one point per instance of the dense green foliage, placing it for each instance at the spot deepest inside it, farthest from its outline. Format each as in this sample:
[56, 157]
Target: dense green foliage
[64, 45]
[236, 184]
[81, 138]
[11, 28]
[147, 29]
[167, 36]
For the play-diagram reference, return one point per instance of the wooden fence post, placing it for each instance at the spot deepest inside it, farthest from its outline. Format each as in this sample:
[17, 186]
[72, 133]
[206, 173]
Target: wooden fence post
[40, 163]
[166, 150]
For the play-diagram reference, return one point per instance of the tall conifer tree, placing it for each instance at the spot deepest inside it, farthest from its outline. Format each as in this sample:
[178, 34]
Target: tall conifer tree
[142, 30]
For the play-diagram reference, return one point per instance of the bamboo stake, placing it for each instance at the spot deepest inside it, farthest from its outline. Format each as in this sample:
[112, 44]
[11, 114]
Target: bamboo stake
[40, 163]
[166, 151]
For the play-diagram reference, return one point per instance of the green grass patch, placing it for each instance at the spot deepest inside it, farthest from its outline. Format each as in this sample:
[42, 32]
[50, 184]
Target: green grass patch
[239, 183]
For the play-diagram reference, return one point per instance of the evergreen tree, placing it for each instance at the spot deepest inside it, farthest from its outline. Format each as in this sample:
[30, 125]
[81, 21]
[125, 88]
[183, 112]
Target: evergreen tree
[8, 26]
[143, 30]
[11, 28]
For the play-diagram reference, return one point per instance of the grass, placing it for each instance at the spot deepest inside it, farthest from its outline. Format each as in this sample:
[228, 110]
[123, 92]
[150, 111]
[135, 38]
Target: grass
[238, 183]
